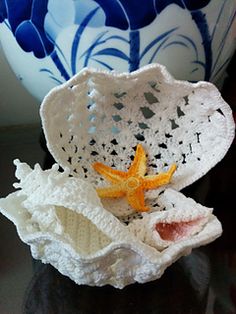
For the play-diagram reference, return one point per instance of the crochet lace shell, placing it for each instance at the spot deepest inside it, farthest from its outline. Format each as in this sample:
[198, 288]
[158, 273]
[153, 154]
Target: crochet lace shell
[65, 224]
[102, 116]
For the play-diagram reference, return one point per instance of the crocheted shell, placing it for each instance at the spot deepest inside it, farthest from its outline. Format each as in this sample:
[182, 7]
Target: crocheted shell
[65, 224]
[101, 117]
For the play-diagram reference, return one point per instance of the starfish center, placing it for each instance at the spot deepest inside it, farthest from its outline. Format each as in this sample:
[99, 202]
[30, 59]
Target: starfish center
[132, 183]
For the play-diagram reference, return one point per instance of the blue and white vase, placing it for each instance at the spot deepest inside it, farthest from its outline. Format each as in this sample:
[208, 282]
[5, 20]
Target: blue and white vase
[48, 41]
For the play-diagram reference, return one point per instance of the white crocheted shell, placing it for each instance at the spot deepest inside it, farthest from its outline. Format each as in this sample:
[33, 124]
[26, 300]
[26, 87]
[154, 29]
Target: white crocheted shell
[65, 224]
[102, 116]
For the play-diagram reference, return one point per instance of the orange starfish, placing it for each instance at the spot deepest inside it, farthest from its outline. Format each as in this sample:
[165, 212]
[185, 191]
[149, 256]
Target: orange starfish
[131, 184]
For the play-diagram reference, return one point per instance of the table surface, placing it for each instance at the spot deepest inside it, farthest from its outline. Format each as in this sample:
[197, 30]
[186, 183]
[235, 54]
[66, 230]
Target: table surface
[203, 282]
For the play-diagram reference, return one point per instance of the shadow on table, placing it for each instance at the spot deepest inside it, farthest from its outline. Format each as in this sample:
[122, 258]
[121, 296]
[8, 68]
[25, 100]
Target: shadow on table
[182, 289]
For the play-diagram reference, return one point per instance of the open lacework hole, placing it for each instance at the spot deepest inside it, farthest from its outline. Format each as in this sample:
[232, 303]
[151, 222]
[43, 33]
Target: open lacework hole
[129, 218]
[125, 213]
[84, 235]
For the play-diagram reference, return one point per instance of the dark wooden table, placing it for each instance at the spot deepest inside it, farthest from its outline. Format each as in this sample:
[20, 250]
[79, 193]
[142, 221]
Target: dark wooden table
[203, 282]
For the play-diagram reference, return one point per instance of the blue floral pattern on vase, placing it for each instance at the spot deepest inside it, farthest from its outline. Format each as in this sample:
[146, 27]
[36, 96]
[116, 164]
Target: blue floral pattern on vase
[133, 14]
[27, 24]
[188, 4]
[37, 25]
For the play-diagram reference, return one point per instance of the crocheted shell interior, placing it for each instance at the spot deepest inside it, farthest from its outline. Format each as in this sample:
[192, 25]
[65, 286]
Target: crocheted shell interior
[80, 231]
[102, 116]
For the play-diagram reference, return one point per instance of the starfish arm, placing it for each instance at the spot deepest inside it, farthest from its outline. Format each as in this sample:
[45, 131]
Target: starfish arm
[138, 166]
[109, 173]
[172, 169]
[155, 181]
[116, 190]
[136, 200]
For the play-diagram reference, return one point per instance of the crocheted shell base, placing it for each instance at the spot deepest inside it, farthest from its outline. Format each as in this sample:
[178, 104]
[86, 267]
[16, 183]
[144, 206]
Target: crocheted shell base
[65, 224]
